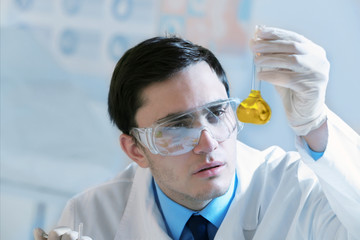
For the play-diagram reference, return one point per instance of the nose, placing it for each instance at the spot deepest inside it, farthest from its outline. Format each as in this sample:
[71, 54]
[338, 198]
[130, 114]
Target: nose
[206, 143]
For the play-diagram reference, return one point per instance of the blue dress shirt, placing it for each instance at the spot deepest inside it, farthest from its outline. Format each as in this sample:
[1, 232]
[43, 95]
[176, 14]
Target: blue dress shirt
[176, 216]
[313, 154]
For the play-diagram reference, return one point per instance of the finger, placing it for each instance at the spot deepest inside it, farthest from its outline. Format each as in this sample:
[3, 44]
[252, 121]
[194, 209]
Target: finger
[71, 235]
[271, 33]
[280, 61]
[280, 78]
[277, 46]
[39, 234]
[56, 233]
[288, 79]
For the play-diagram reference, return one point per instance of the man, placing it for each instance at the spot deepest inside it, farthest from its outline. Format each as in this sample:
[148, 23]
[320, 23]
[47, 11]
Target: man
[193, 180]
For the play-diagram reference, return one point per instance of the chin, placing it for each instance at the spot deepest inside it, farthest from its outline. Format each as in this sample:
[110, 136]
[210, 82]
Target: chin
[213, 190]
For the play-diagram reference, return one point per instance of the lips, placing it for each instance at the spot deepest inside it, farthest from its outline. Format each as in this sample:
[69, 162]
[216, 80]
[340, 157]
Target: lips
[209, 169]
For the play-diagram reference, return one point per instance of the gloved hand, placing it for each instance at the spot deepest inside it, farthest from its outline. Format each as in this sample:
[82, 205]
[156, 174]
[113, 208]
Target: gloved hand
[299, 70]
[59, 233]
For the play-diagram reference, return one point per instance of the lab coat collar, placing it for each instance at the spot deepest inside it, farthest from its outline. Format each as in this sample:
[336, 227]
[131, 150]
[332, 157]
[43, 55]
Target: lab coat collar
[242, 218]
[142, 218]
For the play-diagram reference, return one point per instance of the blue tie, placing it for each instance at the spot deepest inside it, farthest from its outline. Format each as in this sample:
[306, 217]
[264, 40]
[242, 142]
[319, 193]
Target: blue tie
[198, 227]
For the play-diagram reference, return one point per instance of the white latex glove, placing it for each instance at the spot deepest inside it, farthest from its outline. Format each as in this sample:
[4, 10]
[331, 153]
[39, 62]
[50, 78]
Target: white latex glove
[59, 233]
[299, 70]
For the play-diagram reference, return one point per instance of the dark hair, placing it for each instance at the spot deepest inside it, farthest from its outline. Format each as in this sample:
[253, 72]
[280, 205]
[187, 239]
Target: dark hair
[153, 60]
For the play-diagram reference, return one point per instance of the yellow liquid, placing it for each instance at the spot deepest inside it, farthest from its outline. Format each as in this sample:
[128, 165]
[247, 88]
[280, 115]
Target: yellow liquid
[254, 109]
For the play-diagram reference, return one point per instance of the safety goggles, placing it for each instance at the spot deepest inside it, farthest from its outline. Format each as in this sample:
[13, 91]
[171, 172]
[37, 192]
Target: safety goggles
[180, 133]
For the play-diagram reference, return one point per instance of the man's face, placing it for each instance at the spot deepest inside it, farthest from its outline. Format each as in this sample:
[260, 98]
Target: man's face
[183, 178]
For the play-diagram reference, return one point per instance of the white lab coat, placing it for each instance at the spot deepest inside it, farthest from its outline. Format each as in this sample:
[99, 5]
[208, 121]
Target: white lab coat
[279, 196]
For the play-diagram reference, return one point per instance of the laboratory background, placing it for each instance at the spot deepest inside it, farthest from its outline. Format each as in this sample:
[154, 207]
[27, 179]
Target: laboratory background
[57, 59]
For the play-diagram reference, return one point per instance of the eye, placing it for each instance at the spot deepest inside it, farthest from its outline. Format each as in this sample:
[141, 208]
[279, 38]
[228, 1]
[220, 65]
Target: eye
[217, 113]
[185, 122]
[215, 116]
[180, 124]
[219, 110]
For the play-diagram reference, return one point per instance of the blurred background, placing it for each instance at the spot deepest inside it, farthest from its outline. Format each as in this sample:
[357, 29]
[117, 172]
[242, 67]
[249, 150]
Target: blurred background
[57, 59]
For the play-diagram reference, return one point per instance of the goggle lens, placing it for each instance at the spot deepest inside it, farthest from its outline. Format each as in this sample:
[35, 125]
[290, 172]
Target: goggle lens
[180, 134]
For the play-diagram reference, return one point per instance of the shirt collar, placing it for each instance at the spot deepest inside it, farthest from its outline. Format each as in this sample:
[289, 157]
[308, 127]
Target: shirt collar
[176, 216]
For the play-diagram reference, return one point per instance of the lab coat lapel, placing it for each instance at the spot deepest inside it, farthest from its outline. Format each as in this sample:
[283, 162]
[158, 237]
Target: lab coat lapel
[142, 218]
[242, 218]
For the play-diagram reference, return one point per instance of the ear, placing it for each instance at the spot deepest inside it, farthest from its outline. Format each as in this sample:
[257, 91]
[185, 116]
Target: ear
[134, 151]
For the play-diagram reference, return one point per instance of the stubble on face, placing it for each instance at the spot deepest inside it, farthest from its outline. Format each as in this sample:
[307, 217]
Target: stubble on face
[191, 195]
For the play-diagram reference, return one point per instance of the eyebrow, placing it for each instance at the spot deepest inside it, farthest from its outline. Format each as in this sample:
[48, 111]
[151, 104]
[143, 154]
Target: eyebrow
[175, 114]
[171, 115]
